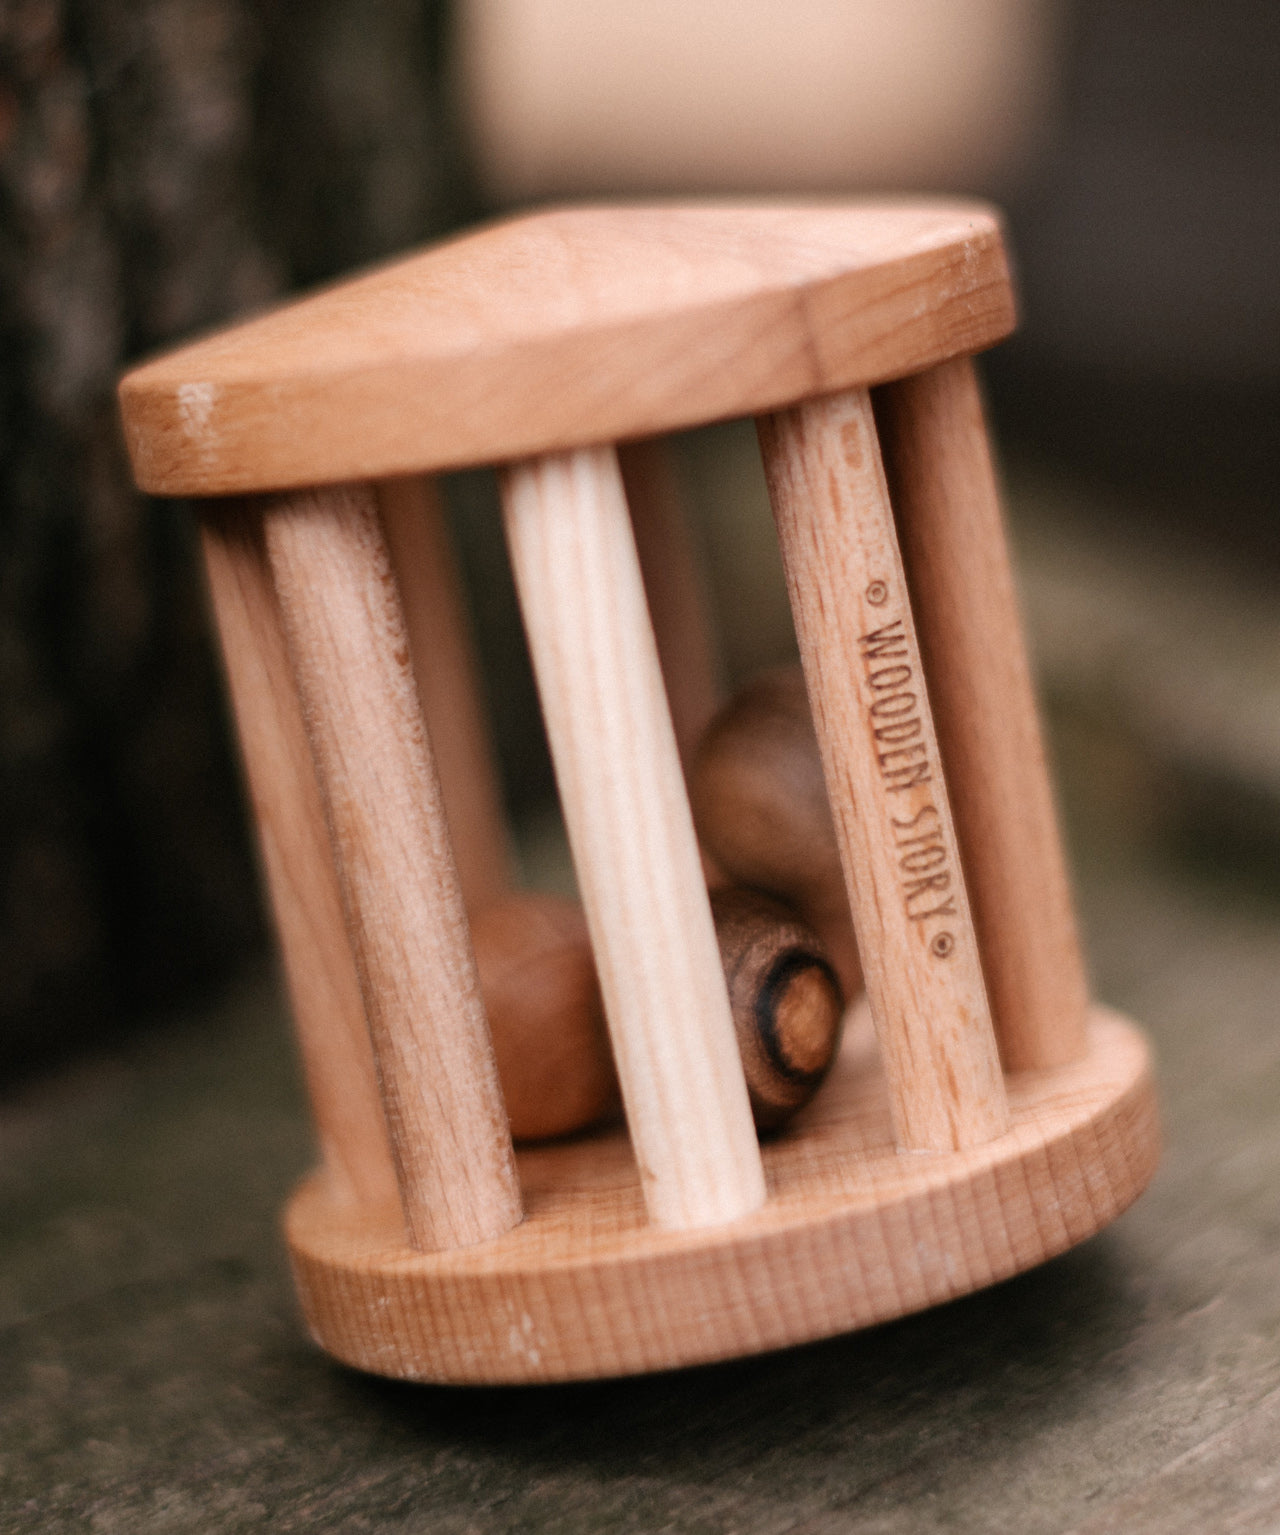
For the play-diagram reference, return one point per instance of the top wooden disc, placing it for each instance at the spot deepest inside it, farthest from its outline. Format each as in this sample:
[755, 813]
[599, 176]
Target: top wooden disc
[565, 328]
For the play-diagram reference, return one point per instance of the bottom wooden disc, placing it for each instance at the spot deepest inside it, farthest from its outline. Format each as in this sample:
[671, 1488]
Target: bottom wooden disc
[853, 1233]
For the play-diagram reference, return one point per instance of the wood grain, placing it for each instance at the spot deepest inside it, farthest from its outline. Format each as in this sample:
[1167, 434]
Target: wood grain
[631, 832]
[673, 588]
[517, 345]
[854, 1233]
[350, 654]
[567, 327]
[944, 489]
[448, 678]
[884, 777]
[297, 860]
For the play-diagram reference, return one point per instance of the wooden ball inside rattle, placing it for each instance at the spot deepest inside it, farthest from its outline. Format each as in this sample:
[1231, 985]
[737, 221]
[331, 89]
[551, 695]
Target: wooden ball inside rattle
[538, 981]
[760, 803]
[785, 999]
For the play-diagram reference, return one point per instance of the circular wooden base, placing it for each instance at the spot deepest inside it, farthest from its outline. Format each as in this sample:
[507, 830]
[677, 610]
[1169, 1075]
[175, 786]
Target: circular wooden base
[853, 1233]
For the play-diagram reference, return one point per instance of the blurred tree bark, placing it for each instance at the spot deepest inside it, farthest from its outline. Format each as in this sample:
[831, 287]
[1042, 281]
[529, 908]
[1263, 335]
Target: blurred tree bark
[164, 164]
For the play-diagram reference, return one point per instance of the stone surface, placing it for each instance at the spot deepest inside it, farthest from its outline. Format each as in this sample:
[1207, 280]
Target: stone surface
[155, 1376]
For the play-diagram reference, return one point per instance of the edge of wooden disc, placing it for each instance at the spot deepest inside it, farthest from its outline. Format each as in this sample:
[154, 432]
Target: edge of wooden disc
[565, 327]
[854, 1233]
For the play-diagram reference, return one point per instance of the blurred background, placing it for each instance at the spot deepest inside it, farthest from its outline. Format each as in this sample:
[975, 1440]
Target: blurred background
[167, 164]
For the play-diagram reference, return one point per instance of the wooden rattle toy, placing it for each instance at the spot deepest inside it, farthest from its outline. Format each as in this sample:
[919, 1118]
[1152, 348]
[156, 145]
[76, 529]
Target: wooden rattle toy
[1002, 1118]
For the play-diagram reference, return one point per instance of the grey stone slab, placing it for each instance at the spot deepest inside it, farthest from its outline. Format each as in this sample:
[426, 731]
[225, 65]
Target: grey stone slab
[154, 1376]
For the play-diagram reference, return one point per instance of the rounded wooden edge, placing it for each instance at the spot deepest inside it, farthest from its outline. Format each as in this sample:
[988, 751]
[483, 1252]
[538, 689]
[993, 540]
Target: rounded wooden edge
[853, 1234]
[567, 328]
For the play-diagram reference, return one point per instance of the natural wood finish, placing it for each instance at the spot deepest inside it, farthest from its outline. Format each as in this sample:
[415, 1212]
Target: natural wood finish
[785, 1000]
[853, 1233]
[651, 1246]
[760, 805]
[297, 860]
[546, 1015]
[568, 327]
[533, 955]
[631, 832]
[349, 648]
[944, 489]
[884, 778]
[448, 685]
[674, 589]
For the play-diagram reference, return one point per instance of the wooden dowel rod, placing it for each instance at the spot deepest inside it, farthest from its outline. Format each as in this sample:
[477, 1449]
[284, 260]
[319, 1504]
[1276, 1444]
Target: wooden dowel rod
[350, 654]
[296, 858]
[944, 488]
[673, 587]
[884, 778]
[448, 685]
[631, 832]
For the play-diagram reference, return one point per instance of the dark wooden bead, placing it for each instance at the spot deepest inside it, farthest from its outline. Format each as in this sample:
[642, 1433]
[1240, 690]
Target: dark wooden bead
[785, 999]
[760, 804]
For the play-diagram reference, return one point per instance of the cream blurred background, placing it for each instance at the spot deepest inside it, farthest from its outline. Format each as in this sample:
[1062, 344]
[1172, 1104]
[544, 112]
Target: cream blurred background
[569, 98]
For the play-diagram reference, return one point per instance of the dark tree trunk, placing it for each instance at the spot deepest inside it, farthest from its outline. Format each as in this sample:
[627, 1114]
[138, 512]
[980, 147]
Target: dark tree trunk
[164, 164]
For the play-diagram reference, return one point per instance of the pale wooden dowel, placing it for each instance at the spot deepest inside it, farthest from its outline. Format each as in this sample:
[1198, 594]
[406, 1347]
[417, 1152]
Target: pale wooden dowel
[448, 685]
[632, 837]
[673, 587]
[296, 858]
[944, 489]
[880, 756]
[347, 642]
